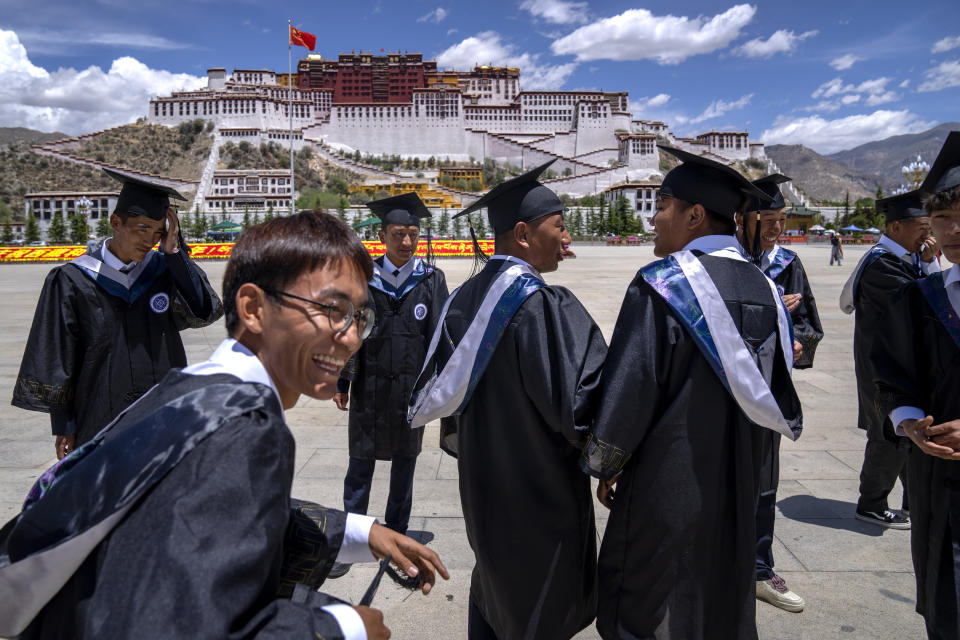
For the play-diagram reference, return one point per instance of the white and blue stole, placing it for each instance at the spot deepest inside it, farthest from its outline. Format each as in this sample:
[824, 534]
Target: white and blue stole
[684, 284]
[780, 261]
[848, 295]
[126, 286]
[934, 290]
[450, 375]
[420, 271]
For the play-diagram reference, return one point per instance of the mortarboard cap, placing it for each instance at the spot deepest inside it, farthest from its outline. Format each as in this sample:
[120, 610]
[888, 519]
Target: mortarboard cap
[903, 206]
[714, 186]
[405, 209]
[520, 199]
[140, 197]
[945, 172]
[770, 186]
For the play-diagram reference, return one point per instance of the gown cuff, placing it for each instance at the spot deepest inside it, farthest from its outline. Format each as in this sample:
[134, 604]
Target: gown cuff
[351, 624]
[900, 414]
[356, 540]
[61, 424]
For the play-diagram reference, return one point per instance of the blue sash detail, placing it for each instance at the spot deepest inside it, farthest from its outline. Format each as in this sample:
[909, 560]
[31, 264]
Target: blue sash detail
[507, 306]
[780, 262]
[151, 271]
[420, 271]
[935, 292]
[667, 279]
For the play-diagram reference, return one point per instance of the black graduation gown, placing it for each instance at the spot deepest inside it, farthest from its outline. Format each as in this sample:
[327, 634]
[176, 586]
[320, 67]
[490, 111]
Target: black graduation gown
[527, 507]
[808, 332]
[210, 546]
[879, 282]
[678, 556]
[806, 320]
[385, 369]
[917, 364]
[91, 353]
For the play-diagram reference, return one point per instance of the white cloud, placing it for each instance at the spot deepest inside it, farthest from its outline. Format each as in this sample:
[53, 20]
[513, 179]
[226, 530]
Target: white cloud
[850, 98]
[943, 76]
[557, 11]
[845, 61]
[78, 101]
[488, 48]
[876, 99]
[658, 100]
[637, 34]
[719, 107]
[829, 136]
[876, 90]
[59, 42]
[435, 16]
[946, 44]
[905, 83]
[823, 105]
[781, 41]
[450, 32]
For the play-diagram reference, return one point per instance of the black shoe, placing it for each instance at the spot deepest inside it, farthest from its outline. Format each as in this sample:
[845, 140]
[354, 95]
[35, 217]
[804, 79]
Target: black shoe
[338, 571]
[884, 518]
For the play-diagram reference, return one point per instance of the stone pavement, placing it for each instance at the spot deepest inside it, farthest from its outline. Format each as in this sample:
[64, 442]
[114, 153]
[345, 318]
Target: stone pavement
[857, 579]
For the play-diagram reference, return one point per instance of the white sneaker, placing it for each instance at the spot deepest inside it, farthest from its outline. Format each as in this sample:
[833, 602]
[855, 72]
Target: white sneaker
[775, 592]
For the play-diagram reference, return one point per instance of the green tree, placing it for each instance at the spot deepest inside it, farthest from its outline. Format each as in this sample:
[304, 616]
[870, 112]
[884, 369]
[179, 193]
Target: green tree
[338, 184]
[342, 205]
[7, 237]
[246, 217]
[31, 232]
[103, 227]
[269, 215]
[879, 195]
[457, 228]
[256, 218]
[443, 225]
[79, 230]
[57, 231]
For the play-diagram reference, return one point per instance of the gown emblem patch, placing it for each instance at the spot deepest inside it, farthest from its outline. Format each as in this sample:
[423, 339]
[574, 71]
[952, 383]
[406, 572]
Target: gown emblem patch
[159, 302]
[420, 311]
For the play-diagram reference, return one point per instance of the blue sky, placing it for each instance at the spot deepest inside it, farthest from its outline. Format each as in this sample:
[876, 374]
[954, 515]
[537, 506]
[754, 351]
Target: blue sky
[827, 74]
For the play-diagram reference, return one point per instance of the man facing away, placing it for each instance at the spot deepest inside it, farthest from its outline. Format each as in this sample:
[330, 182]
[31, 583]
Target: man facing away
[905, 252]
[107, 325]
[698, 367]
[514, 363]
[916, 359]
[407, 294]
[175, 521]
[758, 232]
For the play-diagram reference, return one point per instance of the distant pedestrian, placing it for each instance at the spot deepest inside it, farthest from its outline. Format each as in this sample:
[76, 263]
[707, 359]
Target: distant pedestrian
[836, 249]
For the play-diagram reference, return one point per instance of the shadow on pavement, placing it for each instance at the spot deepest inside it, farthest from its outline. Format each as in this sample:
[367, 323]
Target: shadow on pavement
[825, 512]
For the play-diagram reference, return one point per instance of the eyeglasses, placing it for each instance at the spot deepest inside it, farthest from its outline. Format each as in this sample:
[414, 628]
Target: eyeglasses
[340, 314]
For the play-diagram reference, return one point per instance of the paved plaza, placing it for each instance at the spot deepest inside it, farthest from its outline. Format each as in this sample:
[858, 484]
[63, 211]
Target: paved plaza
[857, 579]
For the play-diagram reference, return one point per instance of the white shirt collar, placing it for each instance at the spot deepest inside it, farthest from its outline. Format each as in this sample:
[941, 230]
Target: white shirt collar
[895, 248]
[386, 273]
[952, 276]
[234, 359]
[724, 246]
[112, 260]
[503, 256]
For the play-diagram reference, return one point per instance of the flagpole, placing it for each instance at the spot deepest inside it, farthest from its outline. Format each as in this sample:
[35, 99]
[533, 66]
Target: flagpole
[290, 109]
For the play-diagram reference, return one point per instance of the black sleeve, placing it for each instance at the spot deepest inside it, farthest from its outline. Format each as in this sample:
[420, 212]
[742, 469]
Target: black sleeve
[313, 539]
[880, 281]
[52, 356]
[438, 299]
[897, 356]
[219, 521]
[632, 381]
[806, 320]
[561, 355]
[196, 303]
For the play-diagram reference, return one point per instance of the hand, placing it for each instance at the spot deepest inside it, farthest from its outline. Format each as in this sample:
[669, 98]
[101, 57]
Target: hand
[170, 238]
[797, 349]
[64, 445]
[373, 623]
[916, 430]
[410, 556]
[791, 300]
[606, 492]
[946, 434]
[341, 400]
[929, 249]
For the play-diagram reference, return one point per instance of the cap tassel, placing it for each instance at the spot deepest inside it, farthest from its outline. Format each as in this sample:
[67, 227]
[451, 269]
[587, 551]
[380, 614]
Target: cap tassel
[756, 250]
[479, 257]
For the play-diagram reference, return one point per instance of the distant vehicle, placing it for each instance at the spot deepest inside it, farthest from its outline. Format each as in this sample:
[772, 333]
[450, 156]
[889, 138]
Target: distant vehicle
[37, 243]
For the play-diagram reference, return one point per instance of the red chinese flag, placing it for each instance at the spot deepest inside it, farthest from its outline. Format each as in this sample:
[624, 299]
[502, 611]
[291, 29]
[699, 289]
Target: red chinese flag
[302, 38]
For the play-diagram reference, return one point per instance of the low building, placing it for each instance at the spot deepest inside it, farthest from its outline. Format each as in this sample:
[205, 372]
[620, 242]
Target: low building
[44, 205]
[431, 197]
[800, 219]
[642, 197]
[235, 192]
[449, 175]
